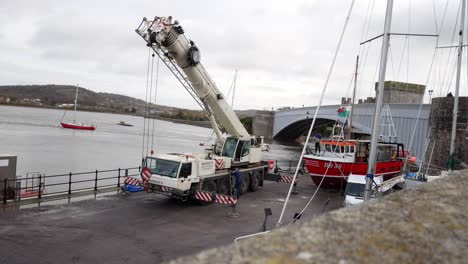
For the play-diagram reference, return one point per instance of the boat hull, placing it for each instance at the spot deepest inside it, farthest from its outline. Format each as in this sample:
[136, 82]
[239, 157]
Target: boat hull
[75, 126]
[337, 172]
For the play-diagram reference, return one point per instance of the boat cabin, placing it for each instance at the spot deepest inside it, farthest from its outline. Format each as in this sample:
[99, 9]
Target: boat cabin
[358, 150]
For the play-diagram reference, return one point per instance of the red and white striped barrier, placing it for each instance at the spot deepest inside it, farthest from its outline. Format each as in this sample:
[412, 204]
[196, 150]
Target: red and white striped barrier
[224, 199]
[132, 181]
[203, 196]
[145, 174]
[287, 179]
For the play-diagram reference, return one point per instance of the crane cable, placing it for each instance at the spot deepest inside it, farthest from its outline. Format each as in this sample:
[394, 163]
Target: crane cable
[148, 103]
[146, 100]
[154, 104]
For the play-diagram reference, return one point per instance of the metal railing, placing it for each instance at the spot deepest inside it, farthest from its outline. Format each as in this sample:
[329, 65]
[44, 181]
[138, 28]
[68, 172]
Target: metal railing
[37, 186]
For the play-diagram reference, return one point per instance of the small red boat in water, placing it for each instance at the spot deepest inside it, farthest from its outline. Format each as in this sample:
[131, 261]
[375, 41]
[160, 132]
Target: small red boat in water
[77, 126]
[74, 125]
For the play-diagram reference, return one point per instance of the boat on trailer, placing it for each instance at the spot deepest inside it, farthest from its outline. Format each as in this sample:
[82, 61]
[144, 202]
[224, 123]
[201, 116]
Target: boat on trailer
[341, 157]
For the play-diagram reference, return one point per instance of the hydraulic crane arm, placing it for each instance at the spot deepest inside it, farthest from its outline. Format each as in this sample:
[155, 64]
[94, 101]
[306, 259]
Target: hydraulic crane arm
[182, 57]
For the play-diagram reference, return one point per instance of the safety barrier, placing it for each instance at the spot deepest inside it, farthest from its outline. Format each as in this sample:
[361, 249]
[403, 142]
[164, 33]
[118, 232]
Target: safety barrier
[63, 184]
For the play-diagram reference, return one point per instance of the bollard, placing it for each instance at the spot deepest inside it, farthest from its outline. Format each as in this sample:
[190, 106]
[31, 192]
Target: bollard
[39, 193]
[5, 190]
[289, 165]
[95, 181]
[118, 179]
[69, 183]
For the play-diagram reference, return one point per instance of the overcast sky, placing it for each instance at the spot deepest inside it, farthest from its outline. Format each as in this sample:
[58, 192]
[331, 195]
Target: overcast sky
[282, 49]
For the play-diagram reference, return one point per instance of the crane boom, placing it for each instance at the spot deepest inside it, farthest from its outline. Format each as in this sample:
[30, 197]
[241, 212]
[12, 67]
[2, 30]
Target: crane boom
[167, 39]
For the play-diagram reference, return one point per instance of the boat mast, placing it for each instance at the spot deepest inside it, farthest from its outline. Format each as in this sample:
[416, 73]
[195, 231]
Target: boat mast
[350, 127]
[234, 90]
[76, 101]
[457, 87]
[378, 101]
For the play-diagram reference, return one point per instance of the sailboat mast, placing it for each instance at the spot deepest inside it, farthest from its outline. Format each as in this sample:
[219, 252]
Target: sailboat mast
[457, 85]
[379, 101]
[234, 90]
[350, 127]
[76, 101]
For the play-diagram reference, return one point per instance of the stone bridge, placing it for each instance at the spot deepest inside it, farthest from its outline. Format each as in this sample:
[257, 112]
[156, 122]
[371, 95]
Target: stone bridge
[293, 123]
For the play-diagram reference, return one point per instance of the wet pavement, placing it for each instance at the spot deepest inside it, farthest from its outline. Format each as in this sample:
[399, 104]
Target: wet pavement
[130, 228]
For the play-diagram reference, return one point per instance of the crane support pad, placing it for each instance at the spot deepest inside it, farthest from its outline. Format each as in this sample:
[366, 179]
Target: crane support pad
[279, 178]
[287, 179]
[218, 198]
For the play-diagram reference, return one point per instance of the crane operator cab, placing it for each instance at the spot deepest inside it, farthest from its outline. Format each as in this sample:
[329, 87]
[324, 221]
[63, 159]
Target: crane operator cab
[242, 150]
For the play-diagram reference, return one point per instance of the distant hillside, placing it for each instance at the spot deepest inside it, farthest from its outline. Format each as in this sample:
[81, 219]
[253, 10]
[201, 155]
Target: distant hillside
[52, 95]
[65, 94]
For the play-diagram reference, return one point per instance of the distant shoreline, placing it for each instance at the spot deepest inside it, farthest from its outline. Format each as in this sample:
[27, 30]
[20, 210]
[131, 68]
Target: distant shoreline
[205, 124]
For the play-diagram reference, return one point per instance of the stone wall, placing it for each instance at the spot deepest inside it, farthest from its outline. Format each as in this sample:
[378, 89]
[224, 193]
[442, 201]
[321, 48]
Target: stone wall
[402, 93]
[262, 124]
[426, 224]
[440, 121]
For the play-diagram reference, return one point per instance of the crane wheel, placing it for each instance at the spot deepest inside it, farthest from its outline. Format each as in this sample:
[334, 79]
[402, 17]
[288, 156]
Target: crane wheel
[245, 184]
[254, 181]
[223, 187]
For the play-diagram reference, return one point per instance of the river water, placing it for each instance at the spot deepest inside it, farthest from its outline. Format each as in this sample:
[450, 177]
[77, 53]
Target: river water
[34, 135]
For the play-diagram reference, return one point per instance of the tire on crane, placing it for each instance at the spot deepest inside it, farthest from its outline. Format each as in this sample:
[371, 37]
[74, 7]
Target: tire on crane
[254, 181]
[245, 184]
[223, 187]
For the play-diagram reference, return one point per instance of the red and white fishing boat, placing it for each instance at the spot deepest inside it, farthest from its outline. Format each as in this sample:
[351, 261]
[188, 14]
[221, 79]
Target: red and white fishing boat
[339, 158]
[75, 125]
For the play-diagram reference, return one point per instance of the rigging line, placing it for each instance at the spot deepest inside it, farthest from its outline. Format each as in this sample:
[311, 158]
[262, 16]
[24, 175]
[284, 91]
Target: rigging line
[155, 105]
[149, 103]
[391, 61]
[408, 39]
[318, 187]
[450, 51]
[375, 76]
[367, 49]
[146, 101]
[316, 112]
[422, 101]
[401, 58]
[311, 198]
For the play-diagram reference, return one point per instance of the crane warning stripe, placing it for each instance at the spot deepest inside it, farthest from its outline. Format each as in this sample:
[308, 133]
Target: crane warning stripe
[224, 199]
[203, 196]
[287, 179]
[132, 181]
[219, 163]
[145, 174]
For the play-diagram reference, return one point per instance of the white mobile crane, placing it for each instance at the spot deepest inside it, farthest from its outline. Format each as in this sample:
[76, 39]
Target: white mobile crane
[185, 173]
